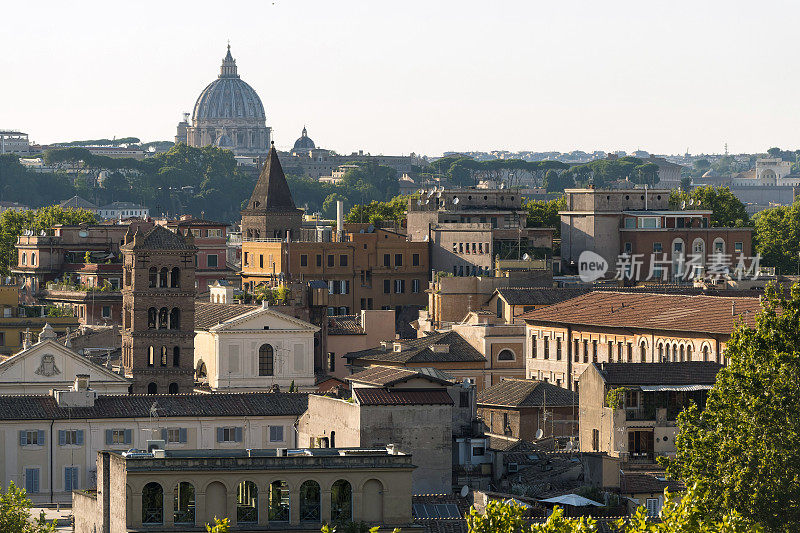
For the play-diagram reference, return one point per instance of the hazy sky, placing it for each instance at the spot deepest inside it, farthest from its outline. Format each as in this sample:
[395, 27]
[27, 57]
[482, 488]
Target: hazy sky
[423, 76]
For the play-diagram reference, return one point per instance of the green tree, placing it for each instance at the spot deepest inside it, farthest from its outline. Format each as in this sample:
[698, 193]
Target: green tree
[329, 205]
[544, 213]
[557, 182]
[701, 166]
[377, 213]
[742, 449]
[15, 513]
[221, 525]
[727, 209]
[777, 236]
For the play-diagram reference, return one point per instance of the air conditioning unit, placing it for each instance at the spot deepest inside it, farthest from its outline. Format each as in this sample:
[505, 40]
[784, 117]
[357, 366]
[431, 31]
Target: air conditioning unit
[156, 445]
[281, 452]
[513, 468]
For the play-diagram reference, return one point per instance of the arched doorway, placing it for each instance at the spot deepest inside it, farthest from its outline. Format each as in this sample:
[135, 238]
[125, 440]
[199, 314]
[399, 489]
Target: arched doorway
[372, 498]
[216, 501]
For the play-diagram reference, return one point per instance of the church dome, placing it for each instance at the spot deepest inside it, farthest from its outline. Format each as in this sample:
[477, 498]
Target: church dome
[224, 141]
[304, 143]
[228, 97]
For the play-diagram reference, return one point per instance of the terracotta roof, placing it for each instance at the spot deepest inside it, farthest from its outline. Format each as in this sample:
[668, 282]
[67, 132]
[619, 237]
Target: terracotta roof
[422, 351]
[665, 312]
[525, 393]
[194, 222]
[647, 482]
[386, 376]
[207, 315]
[76, 202]
[538, 295]
[345, 325]
[170, 405]
[158, 238]
[369, 396]
[271, 190]
[686, 373]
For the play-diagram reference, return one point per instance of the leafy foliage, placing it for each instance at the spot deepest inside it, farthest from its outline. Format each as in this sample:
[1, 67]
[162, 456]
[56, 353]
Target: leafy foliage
[615, 397]
[376, 212]
[544, 214]
[15, 513]
[777, 236]
[220, 526]
[12, 223]
[742, 449]
[727, 209]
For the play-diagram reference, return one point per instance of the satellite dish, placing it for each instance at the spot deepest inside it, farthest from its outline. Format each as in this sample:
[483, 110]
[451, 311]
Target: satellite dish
[683, 204]
[439, 194]
[570, 446]
[426, 238]
[526, 257]
[464, 491]
[691, 201]
[456, 200]
[430, 192]
[539, 434]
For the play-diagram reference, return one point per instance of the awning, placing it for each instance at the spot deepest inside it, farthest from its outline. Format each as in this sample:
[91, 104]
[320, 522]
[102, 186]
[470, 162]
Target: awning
[677, 388]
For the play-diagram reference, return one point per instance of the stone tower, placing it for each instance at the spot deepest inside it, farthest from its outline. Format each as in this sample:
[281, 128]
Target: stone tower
[158, 296]
[270, 213]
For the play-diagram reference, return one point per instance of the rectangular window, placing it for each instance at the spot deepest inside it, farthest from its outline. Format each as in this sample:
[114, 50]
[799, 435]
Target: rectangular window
[245, 260]
[415, 259]
[330, 260]
[533, 347]
[119, 436]
[738, 247]
[596, 440]
[610, 353]
[106, 311]
[276, 433]
[415, 286]
[319, 260]
[71, 478]
[387, 260]
[229, 434]
[461, 247]
[331, 362]
[558, 349]
[32, 480]
[303, 260]
[399, 286]
[657, 247]
[387, 286]
[211, 260]
[2, 339]
[546, 347]
[344, 287]
[619, 352]
[478, 451]
[585, 350]
[174, 435]
[594, 351]
[31, 437]
[70, 437]
[576, 355]
[342, 260]
[260, 261]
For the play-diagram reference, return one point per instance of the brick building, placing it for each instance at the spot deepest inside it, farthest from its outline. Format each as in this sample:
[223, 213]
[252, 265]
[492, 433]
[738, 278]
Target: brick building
[158, 311]
[639, 223]
[210, 238]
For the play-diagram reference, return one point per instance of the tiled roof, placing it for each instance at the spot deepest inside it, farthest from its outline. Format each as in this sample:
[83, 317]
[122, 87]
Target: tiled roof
[207, 315]
[169, 405]
[345, 325]
[538, 295]
[421, 351]
[665, 312]
[686, 373]
[194, 222]
[644, 482]
[526, 393]
[386, 376]
[76, 202]
[271, 190]
[158, 238]
[369, 396]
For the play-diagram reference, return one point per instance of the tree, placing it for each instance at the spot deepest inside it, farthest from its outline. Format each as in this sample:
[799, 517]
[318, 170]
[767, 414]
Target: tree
[742, 448]
[727, 209]
[544, 214]
[701, 166]
[376, 213]
[777, 236]
[686, 184]
[220, 526]
[15, 513]
[329, 205]
[557, 182]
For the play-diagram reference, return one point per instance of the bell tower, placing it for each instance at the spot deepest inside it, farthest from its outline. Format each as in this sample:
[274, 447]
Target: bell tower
[158, 296]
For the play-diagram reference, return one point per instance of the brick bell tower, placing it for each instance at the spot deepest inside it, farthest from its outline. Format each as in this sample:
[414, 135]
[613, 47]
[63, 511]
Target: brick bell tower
[158, 296]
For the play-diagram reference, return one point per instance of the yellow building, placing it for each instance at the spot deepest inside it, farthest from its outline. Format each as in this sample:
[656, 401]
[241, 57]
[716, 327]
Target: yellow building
[16, 319]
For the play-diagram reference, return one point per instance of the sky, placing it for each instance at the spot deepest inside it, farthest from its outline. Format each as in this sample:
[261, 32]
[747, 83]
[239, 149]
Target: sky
[429, 76]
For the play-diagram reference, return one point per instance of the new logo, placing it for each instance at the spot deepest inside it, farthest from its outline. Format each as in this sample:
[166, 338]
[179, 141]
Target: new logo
[591, 266]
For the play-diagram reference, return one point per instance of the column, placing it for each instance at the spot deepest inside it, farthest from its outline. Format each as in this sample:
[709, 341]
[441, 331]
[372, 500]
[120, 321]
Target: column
[231, 506]
[356, 505]
[199, 507]
[136, 509]
[325, 505]
[294, 505]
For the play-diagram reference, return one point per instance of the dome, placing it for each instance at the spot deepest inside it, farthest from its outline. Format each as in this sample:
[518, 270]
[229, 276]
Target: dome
[228, 97]
[224, 141]
[304, 143]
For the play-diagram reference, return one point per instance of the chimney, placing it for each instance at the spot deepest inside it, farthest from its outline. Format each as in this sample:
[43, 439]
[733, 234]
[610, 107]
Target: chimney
[81, 382]
[733, 308]
[339, 219]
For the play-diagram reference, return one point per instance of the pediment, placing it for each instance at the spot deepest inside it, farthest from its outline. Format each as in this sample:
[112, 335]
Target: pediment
[260, 319]
[51, 362]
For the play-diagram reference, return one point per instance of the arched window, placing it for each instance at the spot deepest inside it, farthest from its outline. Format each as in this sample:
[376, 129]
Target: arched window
[152, 388]
[642, 352]
[152, 503]
[266, 360]
[176, 356]
[153, 277]
[151, 356]
[202, 372]
[152, 318]
[674, 353]
[175, 318]
[24, 258]
[705, 353]
[718, 246]
[173, 388]
[163, 318]
[278, 501]
[184, 503]
[175, 278]
[688, 352]
[247, 503]
[163, 356]
[162, 278]
[333, 439]
[505, 355]
[341, 501]
[682, 354]
[33, 258]
[660, 353]
[309, 501]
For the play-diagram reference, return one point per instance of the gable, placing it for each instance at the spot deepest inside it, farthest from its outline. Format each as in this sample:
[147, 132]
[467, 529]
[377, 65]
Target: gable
[259, 319]
[49, 362]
